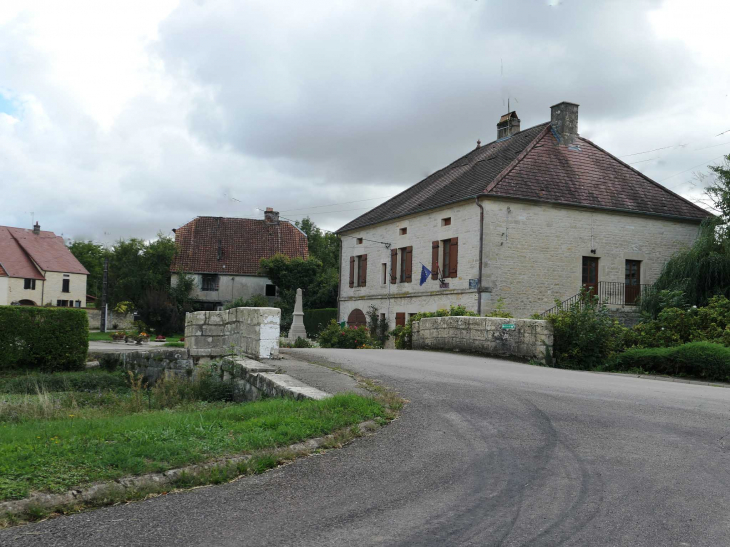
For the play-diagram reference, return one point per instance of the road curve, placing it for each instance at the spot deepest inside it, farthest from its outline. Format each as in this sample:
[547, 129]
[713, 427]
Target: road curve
[488, 452]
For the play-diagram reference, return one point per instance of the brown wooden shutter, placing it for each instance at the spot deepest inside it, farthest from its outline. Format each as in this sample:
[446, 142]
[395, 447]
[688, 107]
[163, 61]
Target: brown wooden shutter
[409, 264]
[435, 260]
[400, 319]
[352, 271]
[453, 256]
[363, 270]
[393, 266]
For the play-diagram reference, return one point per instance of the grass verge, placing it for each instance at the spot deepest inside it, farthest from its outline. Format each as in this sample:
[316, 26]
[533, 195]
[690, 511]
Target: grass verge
[56, 455]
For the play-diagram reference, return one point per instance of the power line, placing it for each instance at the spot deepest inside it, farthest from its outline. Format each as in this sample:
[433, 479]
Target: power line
[698, 165]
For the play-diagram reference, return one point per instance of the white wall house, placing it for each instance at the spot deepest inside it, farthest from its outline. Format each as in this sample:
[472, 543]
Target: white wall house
[529, 218]
[36, 269]
[223, 256]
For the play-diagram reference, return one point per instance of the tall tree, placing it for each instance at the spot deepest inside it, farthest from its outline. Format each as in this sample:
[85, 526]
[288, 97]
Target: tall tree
[91, 255]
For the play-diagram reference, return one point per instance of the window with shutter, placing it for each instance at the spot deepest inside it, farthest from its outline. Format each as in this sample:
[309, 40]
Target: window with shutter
[453, 257]
[409, 264]
[435, 260]
[363, 273]
[393, 266]
[352, 271]
[400, 319]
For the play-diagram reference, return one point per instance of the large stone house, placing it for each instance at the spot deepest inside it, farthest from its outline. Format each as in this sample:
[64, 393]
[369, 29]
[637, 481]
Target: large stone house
[36, 269]
[223, 255]
[527, 219]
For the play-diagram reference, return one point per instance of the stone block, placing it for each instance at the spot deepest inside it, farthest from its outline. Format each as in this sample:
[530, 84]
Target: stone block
[213, 330]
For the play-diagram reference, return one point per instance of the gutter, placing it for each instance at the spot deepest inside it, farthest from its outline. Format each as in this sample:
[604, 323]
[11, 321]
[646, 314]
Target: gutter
[339, 280]
[481, 251]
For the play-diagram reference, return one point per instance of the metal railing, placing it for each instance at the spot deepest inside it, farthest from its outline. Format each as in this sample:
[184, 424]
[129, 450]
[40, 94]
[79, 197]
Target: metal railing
[612, 293]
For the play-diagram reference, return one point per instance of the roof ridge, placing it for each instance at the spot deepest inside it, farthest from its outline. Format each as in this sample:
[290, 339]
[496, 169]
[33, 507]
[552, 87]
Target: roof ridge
[642, 175]
[517, 160]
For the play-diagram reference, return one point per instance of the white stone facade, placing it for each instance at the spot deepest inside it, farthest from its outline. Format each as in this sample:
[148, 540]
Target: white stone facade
[532, 255]
[230, 288]
[50, 291]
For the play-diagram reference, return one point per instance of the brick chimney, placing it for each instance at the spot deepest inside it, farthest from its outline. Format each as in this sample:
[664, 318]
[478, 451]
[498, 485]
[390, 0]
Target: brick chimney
[564, 120]
[271, 216]
[508, 125]
[37, 228]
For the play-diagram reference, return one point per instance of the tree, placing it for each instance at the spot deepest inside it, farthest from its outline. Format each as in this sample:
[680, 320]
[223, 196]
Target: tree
[718, 188]
[91, 255]
[324, 246]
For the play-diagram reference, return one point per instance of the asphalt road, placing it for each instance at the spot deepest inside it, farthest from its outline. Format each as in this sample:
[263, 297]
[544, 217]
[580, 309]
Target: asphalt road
[488, 452]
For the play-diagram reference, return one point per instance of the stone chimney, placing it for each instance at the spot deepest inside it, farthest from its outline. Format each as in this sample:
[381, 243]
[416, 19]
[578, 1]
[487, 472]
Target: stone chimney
[37, 228]
[564, 121]
[271, 216]
[508, 125]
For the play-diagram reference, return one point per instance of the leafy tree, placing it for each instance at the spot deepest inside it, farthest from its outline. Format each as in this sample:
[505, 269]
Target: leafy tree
[324, 246]
[91, 255]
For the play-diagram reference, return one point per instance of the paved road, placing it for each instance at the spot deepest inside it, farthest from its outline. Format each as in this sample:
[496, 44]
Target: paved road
[488, 452]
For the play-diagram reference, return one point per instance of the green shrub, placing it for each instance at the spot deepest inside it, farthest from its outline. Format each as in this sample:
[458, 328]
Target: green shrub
[45, 339]
[334, 336]
[698, 359]
[585, 335]
[302, 343]
[64, 381]
[499, 310]
[377, 326]
[403, 334]
[316, 320]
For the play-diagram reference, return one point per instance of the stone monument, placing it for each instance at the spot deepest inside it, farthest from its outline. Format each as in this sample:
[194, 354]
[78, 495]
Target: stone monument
[297, 329]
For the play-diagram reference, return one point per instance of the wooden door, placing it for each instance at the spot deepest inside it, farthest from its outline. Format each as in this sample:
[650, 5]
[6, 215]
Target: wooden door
[633, 281]
[400, 319]
[590, 274]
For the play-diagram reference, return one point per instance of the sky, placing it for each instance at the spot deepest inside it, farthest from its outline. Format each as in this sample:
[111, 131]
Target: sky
[129, 119]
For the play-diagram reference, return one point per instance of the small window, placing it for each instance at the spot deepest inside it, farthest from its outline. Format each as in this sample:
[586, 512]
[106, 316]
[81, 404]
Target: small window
[384, 273]
[270, 290]
[411, 315]
[359, 241]
[446, 221]
[403, 231]
[29, 284]
[66, 285]
[209, 282]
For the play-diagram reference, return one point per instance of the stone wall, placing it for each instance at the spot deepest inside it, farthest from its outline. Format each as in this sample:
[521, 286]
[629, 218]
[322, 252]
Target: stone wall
[123, 321]
[230, 287]
[151, 364]
[485, 335]
[253, 332]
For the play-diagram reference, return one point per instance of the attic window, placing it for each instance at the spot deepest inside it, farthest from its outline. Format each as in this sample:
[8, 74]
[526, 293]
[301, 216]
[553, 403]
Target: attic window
[446, 221]
[359, 241]
[403, 231]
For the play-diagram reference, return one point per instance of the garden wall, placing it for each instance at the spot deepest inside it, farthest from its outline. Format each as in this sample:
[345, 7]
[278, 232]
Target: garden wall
[253, 332]
[122, 321]
[520, 338]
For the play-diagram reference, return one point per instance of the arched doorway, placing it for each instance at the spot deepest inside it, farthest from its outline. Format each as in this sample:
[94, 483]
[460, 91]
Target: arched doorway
[356, 318]
[27, 303]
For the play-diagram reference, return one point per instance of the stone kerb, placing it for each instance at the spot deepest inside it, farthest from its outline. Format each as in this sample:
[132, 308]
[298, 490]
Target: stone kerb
[253, 332]
[519, 338]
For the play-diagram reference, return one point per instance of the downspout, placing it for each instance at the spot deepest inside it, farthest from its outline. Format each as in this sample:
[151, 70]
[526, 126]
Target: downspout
[339, 281]
[481, 252]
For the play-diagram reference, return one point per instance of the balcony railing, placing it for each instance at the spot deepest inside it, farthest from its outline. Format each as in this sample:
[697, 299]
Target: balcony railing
[613, 293]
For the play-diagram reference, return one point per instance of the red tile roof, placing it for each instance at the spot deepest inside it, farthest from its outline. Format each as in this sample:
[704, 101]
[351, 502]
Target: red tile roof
[234, 245]
[15, 261]
[531, 165]
[47, 250]
[2, 272]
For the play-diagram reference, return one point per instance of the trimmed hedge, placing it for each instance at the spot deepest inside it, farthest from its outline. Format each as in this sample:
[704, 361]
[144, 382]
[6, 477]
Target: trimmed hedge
[44, 339]
[698, 359]
[315, 321]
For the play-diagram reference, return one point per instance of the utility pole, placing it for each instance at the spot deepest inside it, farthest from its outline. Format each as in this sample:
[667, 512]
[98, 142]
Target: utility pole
[104, 287]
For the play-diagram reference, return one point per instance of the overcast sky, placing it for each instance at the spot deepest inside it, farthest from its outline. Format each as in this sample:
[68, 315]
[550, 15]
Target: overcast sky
[125, 119]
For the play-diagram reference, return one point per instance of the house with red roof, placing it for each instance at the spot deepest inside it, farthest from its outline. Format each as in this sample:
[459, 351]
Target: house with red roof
[36, 269]
[518, 223]
[223, 256]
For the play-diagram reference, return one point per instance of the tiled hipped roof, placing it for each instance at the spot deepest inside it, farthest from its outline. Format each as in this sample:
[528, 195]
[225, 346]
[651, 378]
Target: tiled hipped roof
[532, 165]
[234, 245]
[21, 250]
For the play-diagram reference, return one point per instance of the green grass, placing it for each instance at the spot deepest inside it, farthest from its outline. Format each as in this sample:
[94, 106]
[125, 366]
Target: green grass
[90, 380]
[174, 344]
[56, 455]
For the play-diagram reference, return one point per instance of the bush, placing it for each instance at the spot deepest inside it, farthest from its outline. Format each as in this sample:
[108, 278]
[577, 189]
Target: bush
[256, 301]
[585, 335]
[698, 359]
[377, 326]
[31, 384]
[302, 343]
[403, 334]
[334, 336]
[316, 320]
[45, 339]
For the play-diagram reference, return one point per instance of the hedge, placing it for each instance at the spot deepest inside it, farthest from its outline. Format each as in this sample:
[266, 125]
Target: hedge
[316, 320]
[698, 359]
[44, 339]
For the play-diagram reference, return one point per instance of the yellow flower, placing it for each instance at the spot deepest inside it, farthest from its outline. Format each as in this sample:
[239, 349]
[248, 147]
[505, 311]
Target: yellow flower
[70, 415]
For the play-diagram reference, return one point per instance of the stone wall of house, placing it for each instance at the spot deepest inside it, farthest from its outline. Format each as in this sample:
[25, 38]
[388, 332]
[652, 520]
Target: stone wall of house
[123, 321]
[253, 332]
[532, 255]
[533, 252]
[230, 287]
[514, 338]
